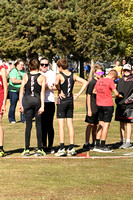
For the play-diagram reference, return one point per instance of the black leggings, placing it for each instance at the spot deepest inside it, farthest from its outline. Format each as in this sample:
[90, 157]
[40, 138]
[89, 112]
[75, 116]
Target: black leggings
[30, 112]
[47, 124]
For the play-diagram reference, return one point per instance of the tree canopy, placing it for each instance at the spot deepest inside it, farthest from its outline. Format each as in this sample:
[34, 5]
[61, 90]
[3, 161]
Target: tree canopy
[99, 29]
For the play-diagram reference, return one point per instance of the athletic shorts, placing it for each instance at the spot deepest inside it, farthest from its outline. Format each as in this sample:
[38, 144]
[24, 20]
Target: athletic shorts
[105, 113]
[124, 115]
[65, 109]
[1, 103]
[93, 119]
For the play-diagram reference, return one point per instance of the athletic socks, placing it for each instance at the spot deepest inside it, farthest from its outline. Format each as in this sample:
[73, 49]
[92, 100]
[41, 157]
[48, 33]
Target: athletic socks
[102, 143]
[87, 143]
[61, 146]
[122, 140]
[128, 141]
[71, 146]
[97, 142]
[1, 148]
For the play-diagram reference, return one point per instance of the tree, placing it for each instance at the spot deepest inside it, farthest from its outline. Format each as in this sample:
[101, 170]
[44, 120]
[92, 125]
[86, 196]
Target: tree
[125, 31]
[32, 27]
[95, 29]
[24, 26]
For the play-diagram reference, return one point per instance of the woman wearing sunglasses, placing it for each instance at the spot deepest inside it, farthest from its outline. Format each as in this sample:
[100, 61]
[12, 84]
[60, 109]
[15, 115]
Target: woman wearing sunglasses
[48, 114]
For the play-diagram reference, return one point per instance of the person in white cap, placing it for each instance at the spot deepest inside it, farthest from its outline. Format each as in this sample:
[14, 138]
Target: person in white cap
[124, 111]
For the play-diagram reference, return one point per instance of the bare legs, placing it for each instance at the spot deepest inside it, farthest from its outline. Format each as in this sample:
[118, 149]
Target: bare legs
[102, 130]
[122, 130]
[69, 122]
[89, 128]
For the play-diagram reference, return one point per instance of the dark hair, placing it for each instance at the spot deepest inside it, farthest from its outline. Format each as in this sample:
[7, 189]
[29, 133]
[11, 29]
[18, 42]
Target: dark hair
[3, 60]
[34, 64]
[44, 58]
[62, 63]
[17, 62]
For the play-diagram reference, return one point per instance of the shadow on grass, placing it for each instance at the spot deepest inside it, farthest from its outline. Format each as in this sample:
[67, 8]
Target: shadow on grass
[55, 148]
[115, 145]
[14, 151]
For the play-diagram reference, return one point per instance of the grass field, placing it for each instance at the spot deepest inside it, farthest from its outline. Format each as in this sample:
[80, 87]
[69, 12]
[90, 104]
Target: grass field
[67, 178]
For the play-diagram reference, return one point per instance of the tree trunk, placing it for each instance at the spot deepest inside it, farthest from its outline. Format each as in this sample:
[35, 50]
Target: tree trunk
[92, 70]
[81, 68]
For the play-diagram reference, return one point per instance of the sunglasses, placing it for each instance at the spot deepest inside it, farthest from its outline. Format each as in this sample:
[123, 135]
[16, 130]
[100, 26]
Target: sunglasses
[100, 73]
[42, 64]
[126, 70]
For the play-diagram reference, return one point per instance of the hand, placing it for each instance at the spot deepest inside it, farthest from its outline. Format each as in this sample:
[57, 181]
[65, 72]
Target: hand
[128, 101]
[75, 96]
[3, 109]
[89, 113]
[61, 94]
[21, 109]
[41, 110]
[120, 96]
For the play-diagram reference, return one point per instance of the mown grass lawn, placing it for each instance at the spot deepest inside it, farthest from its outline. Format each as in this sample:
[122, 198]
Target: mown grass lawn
[57, 179]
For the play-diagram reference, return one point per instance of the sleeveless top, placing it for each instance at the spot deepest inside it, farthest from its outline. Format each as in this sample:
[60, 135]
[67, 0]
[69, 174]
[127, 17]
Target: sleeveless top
[32, 88]
[67, 86]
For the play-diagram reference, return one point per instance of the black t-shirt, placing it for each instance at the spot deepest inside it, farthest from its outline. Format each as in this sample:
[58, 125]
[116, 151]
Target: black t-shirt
[89, 91]
[125, 88]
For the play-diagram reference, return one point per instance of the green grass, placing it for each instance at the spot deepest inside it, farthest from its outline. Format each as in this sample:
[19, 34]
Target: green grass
[68, 179]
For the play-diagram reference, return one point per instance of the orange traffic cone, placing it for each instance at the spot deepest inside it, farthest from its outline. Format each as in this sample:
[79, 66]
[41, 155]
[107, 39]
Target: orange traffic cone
[88, 154]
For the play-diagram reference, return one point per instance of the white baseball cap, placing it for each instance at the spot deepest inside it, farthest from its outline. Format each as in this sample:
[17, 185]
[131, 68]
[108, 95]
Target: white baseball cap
[127, 66]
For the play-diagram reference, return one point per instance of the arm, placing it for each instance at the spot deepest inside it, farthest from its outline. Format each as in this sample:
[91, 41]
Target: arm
[42, 94]
[13, 77]
[24, 80]
[15, 80]
[3, 73]
[94, 91]
[57, 81]
[89, 105]
[84, 85]
[57, 86]
[117, 93]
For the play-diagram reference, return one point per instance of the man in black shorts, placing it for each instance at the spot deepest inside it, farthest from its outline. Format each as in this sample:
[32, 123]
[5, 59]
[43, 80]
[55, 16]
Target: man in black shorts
[64, 83]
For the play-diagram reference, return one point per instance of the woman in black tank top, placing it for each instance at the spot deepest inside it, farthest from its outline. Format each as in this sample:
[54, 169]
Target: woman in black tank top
[34, 85]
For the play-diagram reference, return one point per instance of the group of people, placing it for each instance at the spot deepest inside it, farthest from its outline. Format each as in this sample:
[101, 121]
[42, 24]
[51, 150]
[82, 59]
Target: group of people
[35, 91]
[100, 107]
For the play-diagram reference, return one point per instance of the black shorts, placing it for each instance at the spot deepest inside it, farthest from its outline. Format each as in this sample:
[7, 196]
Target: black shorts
[105, 113]
[93, 119]
[65, 109]
[124, 115]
